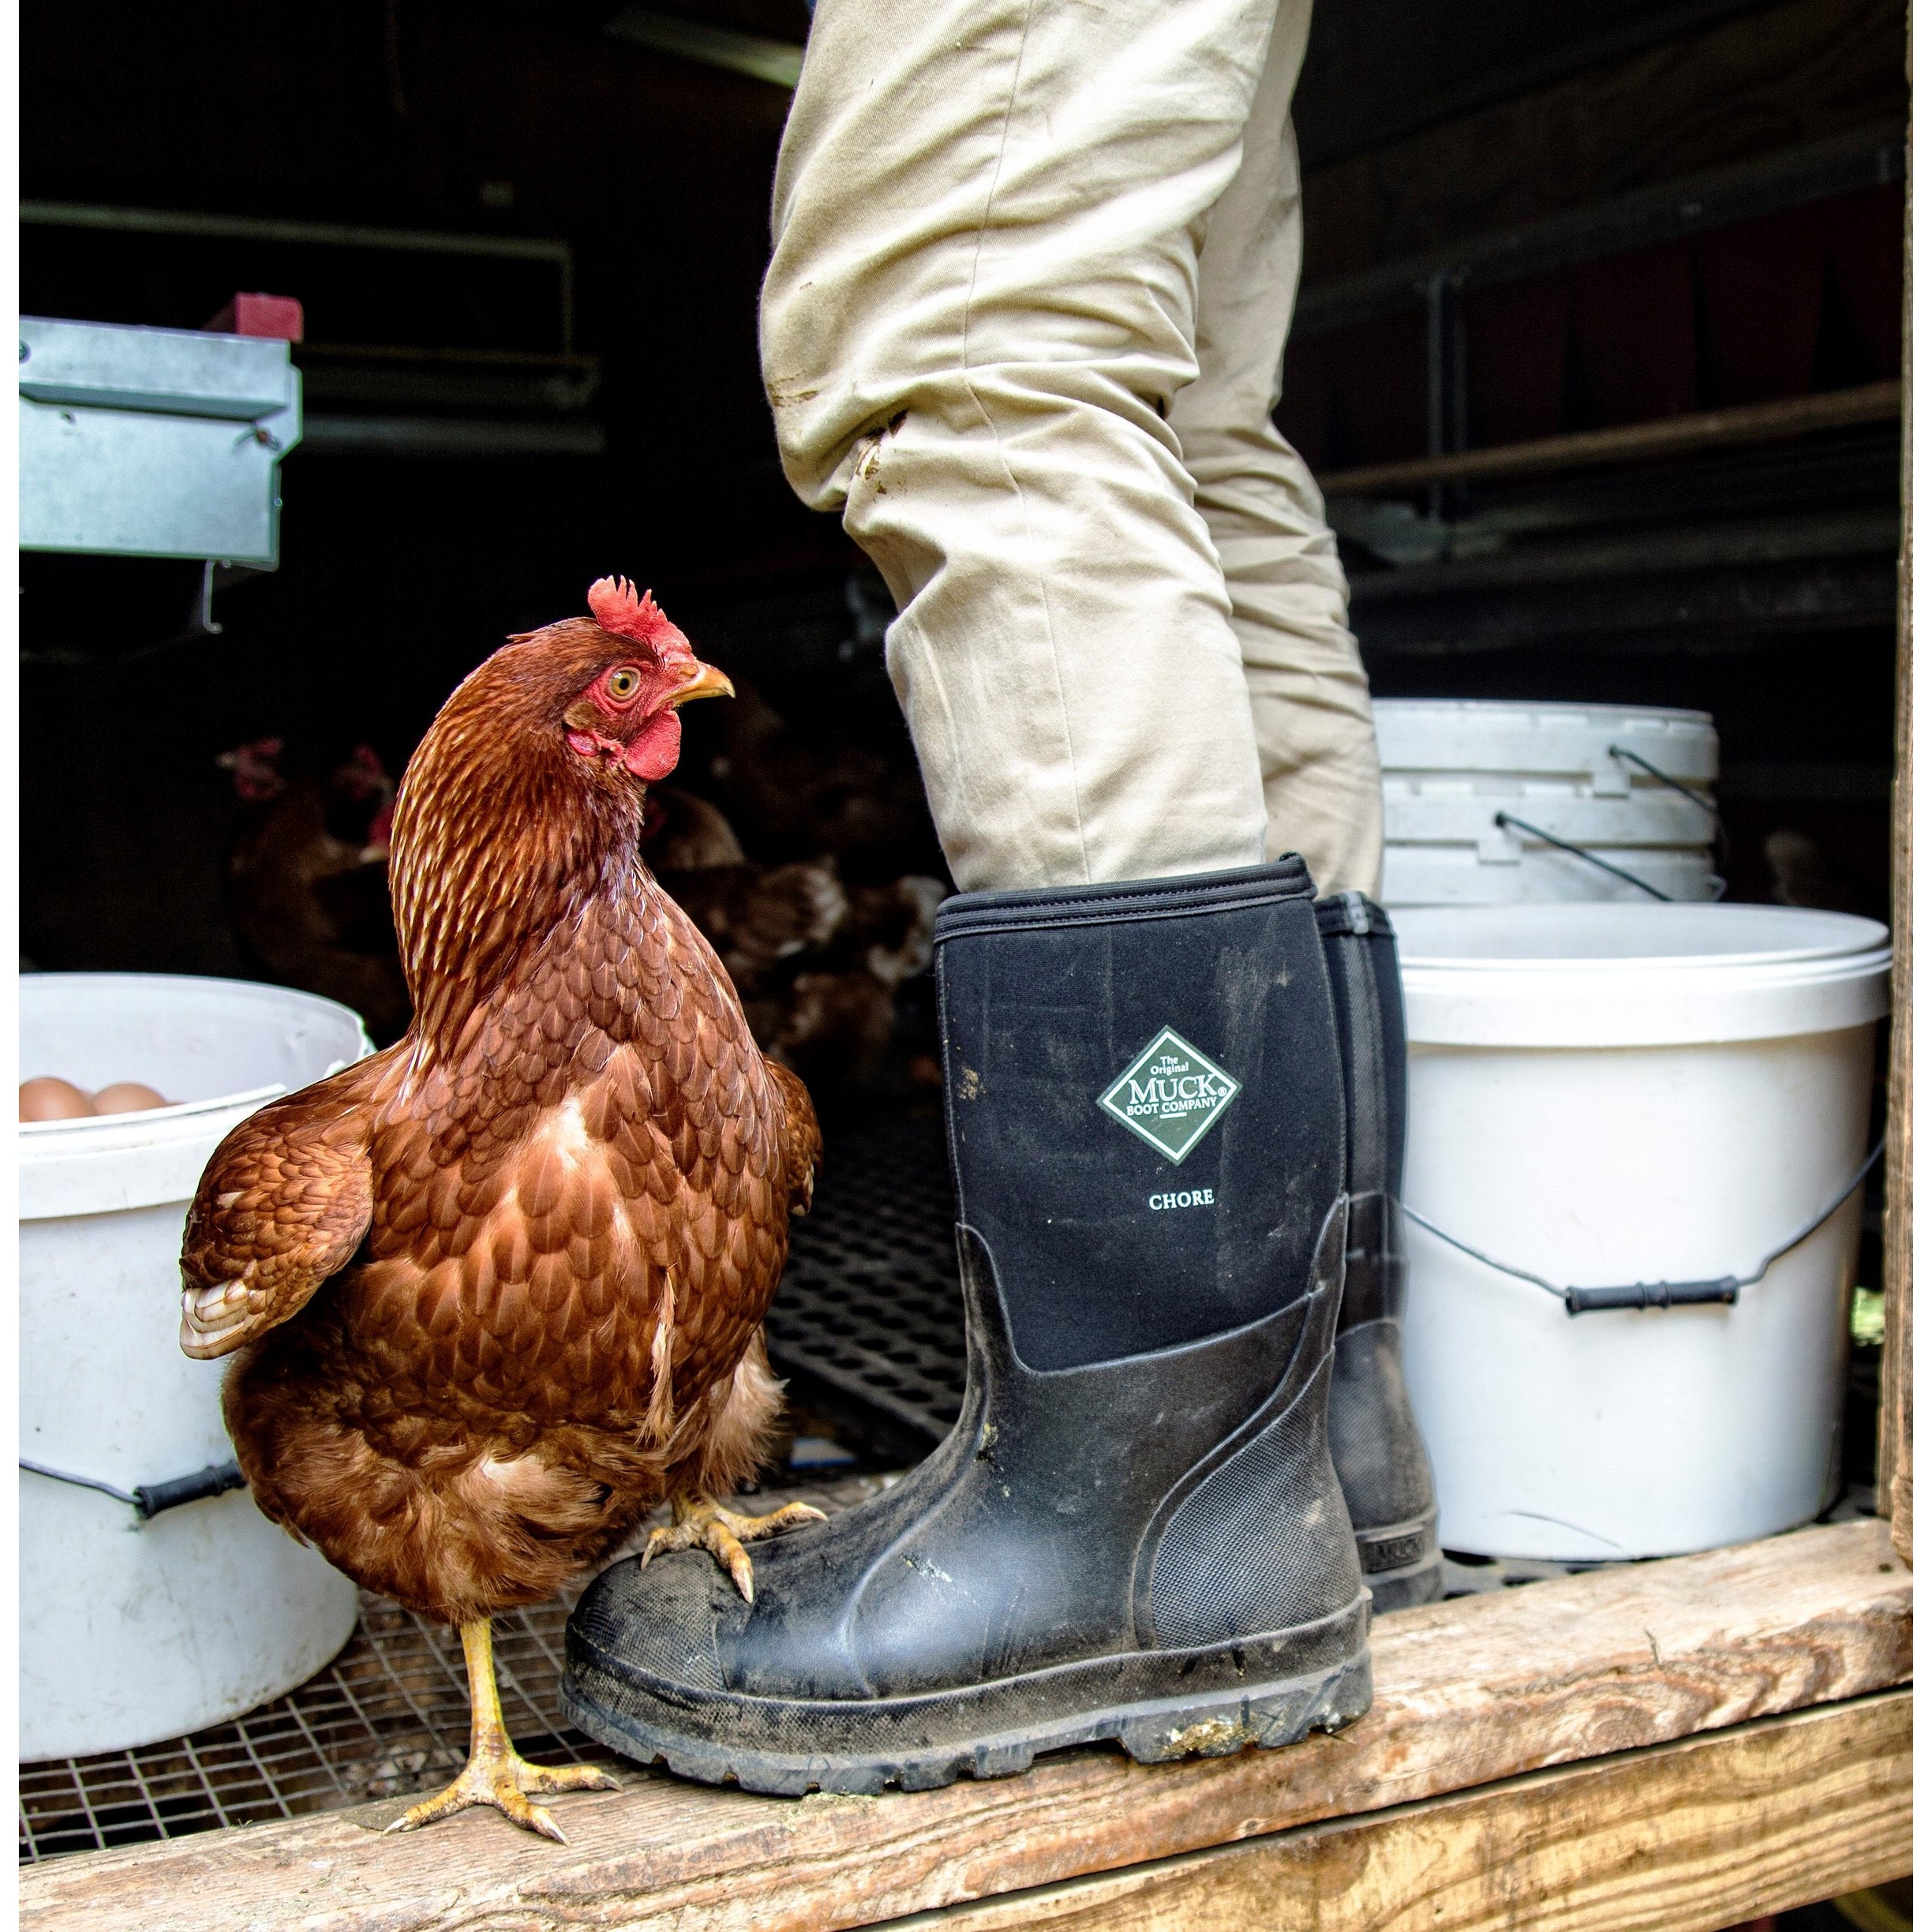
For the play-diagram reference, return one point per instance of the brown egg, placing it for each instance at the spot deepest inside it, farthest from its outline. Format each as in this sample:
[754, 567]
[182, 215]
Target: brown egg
[127, 1097]
[48, 1099]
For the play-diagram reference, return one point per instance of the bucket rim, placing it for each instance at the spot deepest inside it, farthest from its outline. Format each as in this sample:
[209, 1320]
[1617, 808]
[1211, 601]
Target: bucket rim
[104, 1162]
[1856, 942]
[153, 1117]
[1500, 710]
[267, 990]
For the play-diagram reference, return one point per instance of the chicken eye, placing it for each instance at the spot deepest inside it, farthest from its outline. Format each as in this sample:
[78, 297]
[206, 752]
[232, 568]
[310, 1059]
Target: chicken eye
[623, 683]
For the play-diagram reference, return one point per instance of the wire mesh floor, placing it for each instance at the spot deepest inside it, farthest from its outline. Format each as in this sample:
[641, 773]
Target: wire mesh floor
[868, 1323]
[390, 1715]
[389, 1718]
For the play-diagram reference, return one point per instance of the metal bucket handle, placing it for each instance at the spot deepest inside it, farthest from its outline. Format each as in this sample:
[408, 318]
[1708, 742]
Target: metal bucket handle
[1659, 1294]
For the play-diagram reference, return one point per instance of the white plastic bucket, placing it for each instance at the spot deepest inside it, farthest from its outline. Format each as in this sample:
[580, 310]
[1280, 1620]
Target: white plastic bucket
[1605, 1094]
[1449, 765]
[133, 1631]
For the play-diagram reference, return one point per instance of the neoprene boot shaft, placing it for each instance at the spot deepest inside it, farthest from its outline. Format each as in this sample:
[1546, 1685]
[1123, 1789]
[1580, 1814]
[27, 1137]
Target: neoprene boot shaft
[1135, 1531]
[1378, 1449]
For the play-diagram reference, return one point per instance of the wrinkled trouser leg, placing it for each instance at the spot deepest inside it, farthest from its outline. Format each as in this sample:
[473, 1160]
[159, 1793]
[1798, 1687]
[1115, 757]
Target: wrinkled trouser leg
[1321, 778]
[988, 219]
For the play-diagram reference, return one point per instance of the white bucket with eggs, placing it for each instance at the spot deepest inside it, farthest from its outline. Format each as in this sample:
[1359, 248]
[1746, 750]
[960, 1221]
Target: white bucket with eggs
[1606, 1099]
[139, 1623]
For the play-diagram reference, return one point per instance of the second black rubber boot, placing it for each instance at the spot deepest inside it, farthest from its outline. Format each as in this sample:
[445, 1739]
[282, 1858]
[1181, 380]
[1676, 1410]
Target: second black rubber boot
[1135, 1531]
[1379, 1452]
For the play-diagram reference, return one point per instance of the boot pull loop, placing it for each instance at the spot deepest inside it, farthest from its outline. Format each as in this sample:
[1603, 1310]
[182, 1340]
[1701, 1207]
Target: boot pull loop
[1659, 1294]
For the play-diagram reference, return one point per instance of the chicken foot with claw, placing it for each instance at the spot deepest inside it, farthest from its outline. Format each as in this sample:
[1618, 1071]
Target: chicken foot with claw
[702, 1524]
[496, 1775]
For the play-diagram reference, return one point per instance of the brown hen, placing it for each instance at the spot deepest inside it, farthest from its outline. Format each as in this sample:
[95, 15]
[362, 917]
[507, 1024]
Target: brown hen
[498, 1290]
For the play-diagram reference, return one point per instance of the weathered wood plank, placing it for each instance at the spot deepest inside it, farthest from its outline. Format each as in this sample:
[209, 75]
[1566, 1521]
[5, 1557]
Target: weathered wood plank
[1895, 1413]
[1681, 1837]
[1467, 1693]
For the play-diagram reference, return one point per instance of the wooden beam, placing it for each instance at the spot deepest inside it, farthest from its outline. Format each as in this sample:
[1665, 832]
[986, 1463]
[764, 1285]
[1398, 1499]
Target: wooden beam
[1676, 436]
[1895, 1408]
[1592, 227]
[1454, 66]
[763, 59]
[1705, 1833]
[1467, 1693]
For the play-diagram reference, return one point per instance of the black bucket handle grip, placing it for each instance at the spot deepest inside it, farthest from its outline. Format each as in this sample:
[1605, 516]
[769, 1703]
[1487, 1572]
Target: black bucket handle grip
[148, 1500]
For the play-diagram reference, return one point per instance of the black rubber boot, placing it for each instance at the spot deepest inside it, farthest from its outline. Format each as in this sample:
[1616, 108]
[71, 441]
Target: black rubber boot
[1135, 1531]
[1378, 1449]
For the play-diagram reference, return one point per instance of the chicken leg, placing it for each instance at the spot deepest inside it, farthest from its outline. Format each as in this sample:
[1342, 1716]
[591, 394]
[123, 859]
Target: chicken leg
[495, 1774]
[703, 1524]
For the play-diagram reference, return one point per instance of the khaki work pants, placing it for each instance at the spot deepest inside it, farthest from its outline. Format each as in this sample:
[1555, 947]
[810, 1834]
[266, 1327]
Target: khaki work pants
[1034, 263]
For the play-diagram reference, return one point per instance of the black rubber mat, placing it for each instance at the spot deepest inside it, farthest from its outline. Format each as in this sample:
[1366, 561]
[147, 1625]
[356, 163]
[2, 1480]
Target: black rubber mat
[868, 1328]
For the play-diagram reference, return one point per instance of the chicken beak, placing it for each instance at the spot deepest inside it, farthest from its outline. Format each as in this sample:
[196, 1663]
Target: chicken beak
[710, 682]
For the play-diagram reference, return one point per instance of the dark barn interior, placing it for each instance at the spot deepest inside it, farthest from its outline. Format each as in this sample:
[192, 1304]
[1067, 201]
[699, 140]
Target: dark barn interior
[1522, 226]
[1597, 356]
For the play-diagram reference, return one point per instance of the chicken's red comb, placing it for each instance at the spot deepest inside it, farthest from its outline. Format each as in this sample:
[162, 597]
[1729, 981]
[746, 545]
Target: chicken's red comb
[618, 608]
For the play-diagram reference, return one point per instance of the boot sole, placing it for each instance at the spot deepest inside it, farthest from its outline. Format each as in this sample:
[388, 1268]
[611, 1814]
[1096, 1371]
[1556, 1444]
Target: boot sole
[1400, 1590]
[1274, 1689]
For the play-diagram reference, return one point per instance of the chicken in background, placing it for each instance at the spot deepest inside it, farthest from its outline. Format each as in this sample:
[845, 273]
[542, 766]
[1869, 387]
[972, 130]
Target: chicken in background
[683, 832]
[309, 880]
[758, 916]
[1801, 874]
[497, 1290]
[889, 928]
[834, 790]
[834, 1021]
[832, 1029]
[818, 962]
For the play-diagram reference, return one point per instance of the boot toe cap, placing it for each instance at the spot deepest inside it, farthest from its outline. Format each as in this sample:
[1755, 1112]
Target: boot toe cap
[660, 1621]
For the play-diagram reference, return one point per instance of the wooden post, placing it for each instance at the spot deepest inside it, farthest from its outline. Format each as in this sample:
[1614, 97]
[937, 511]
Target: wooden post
[1894, 1485]
[1895, 1457]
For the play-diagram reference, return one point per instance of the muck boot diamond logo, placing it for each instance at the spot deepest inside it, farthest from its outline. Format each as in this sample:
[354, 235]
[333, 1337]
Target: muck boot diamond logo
[1171, 1094]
